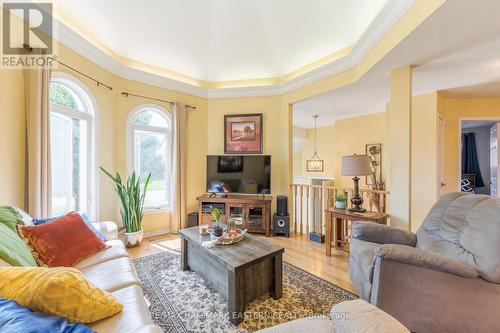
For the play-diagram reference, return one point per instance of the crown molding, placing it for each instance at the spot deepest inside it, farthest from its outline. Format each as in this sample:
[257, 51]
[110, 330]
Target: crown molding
[388, 16]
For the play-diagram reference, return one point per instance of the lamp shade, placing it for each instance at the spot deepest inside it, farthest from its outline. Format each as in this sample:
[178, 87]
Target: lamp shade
[356, 165]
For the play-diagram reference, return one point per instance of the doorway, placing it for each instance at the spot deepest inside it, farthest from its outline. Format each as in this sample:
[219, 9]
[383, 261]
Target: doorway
[479, 156]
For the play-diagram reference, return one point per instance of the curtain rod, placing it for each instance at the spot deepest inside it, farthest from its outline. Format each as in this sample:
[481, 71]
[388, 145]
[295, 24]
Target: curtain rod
[99, 83]
[127, 94]
[29, 49]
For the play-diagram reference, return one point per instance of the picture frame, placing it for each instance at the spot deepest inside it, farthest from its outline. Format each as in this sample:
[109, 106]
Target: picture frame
[243, 133]
[374, 152]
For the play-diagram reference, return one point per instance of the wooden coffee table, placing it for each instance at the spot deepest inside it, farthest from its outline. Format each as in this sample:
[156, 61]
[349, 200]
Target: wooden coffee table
[239, 272]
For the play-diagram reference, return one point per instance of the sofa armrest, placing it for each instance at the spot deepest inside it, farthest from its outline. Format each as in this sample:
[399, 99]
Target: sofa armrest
[108, 229]
[421, 258]
[382, 234]
[360, 316]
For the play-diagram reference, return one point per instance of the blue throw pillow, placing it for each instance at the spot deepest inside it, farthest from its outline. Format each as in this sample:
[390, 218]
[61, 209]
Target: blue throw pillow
[16, 318]
[84, 217]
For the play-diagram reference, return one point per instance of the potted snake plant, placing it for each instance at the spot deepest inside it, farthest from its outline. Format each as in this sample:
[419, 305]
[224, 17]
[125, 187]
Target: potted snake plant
[131, 205]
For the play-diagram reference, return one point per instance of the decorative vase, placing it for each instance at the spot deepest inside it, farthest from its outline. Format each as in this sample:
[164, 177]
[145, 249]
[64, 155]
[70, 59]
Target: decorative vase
[133, 239]
[340, 204]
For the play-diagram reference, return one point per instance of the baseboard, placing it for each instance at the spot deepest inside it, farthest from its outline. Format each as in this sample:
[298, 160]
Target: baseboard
[157, 232]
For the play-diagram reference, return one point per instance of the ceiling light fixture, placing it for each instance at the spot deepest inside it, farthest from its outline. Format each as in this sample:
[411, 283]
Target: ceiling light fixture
[315, 164]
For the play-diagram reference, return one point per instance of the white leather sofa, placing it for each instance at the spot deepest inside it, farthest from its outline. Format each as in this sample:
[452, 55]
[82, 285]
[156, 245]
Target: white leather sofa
[112, 270]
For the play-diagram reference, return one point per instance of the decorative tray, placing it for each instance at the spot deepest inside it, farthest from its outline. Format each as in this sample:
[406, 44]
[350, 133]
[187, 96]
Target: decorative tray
[225, 239]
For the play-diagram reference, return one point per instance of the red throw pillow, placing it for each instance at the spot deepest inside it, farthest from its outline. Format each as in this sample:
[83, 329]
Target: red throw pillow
[61, 243]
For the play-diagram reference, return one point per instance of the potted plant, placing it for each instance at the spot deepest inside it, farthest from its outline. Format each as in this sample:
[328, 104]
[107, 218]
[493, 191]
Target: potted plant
[131, 205]
[217, 230]
[341, 200]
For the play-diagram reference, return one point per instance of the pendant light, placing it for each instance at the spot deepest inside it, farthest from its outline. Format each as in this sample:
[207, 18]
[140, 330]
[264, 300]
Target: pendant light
[315, 164]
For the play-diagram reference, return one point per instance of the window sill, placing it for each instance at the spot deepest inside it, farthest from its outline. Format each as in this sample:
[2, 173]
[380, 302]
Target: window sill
[156, 211]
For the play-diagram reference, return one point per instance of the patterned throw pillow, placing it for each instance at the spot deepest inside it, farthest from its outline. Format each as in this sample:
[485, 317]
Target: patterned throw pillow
[62, 242]
[60, 291]
[84, 217]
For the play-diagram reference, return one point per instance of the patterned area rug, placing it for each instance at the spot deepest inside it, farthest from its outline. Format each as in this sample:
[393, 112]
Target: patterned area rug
[183, 302]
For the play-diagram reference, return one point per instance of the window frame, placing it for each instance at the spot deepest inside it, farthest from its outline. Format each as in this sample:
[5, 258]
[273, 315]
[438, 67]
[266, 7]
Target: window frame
[90, 116]
[130, 149]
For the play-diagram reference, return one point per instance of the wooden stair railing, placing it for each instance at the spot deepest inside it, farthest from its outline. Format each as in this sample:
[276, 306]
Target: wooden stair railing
[309, 202]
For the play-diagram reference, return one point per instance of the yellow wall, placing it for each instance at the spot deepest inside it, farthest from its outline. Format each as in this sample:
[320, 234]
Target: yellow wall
[342, 138]
[12, 137]
[274, 133]
[424, 177]
[113, 110]
[452, 111]
[399, 147]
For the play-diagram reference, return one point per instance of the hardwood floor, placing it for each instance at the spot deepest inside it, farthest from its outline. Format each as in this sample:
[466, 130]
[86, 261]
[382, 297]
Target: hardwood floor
[299, 251]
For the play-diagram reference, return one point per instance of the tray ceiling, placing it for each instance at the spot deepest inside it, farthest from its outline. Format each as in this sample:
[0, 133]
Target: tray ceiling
[223, 40]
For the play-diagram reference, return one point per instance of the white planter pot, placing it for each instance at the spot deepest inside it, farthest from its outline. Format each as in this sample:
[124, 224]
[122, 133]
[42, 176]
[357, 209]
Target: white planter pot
[133, 239]
[340, 204]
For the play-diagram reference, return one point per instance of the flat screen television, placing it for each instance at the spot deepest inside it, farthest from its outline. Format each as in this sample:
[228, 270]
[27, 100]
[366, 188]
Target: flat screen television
[239, 174]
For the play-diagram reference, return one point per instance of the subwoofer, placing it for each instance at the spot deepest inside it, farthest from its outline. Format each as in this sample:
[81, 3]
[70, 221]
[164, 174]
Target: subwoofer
[282, 205]
[281, 225]
[192, 219]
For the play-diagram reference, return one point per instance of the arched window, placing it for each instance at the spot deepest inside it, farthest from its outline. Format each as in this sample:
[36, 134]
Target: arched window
[149, 134]
[72, 136]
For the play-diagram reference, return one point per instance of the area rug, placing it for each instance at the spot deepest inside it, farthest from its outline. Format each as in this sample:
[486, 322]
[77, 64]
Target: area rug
[183, 302]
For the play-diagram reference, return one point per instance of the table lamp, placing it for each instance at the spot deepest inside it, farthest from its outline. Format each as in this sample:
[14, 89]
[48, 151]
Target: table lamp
[356, 165]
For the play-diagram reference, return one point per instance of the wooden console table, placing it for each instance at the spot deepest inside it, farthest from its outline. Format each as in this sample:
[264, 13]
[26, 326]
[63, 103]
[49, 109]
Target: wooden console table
[337, 221]
[252, 212]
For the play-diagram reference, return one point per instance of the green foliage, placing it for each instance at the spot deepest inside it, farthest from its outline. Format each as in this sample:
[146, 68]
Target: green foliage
[152, 157]
[216, 214]
[131, 199]
[61, 95]
[341, 197]
[143, 118]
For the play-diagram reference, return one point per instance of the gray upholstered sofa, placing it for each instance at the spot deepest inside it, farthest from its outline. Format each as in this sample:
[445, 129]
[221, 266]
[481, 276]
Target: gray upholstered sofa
[446, 278]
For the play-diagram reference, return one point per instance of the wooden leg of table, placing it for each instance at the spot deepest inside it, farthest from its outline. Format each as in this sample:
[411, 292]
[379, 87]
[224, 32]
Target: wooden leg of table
[235, 297]
[184, 254]
[337, 225]
[277, 290]
[328, 236]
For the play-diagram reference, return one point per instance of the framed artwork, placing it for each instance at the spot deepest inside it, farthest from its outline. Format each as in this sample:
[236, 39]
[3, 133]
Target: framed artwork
[230, 164]
[374, 152]
[243, 134]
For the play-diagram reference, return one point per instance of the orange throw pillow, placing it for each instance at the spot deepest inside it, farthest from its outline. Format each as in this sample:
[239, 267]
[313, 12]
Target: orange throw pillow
[61, 243]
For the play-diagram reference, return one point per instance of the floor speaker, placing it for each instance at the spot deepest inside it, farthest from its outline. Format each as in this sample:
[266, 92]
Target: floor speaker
[282, 205]
[281, 225]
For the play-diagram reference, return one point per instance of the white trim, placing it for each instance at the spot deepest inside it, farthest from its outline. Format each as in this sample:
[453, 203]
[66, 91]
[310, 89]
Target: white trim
[92, 118]
[383, 22]
[130, 146]
[157, 232]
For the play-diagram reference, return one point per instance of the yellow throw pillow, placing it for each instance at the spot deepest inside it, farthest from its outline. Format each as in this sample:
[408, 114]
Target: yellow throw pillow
[60, 291]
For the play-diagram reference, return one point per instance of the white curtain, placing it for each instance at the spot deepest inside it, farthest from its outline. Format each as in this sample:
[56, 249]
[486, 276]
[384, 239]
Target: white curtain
[178, 194]
[38, 173]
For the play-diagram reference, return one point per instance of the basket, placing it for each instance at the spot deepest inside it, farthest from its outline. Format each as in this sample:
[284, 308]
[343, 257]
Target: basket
[226, 240]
